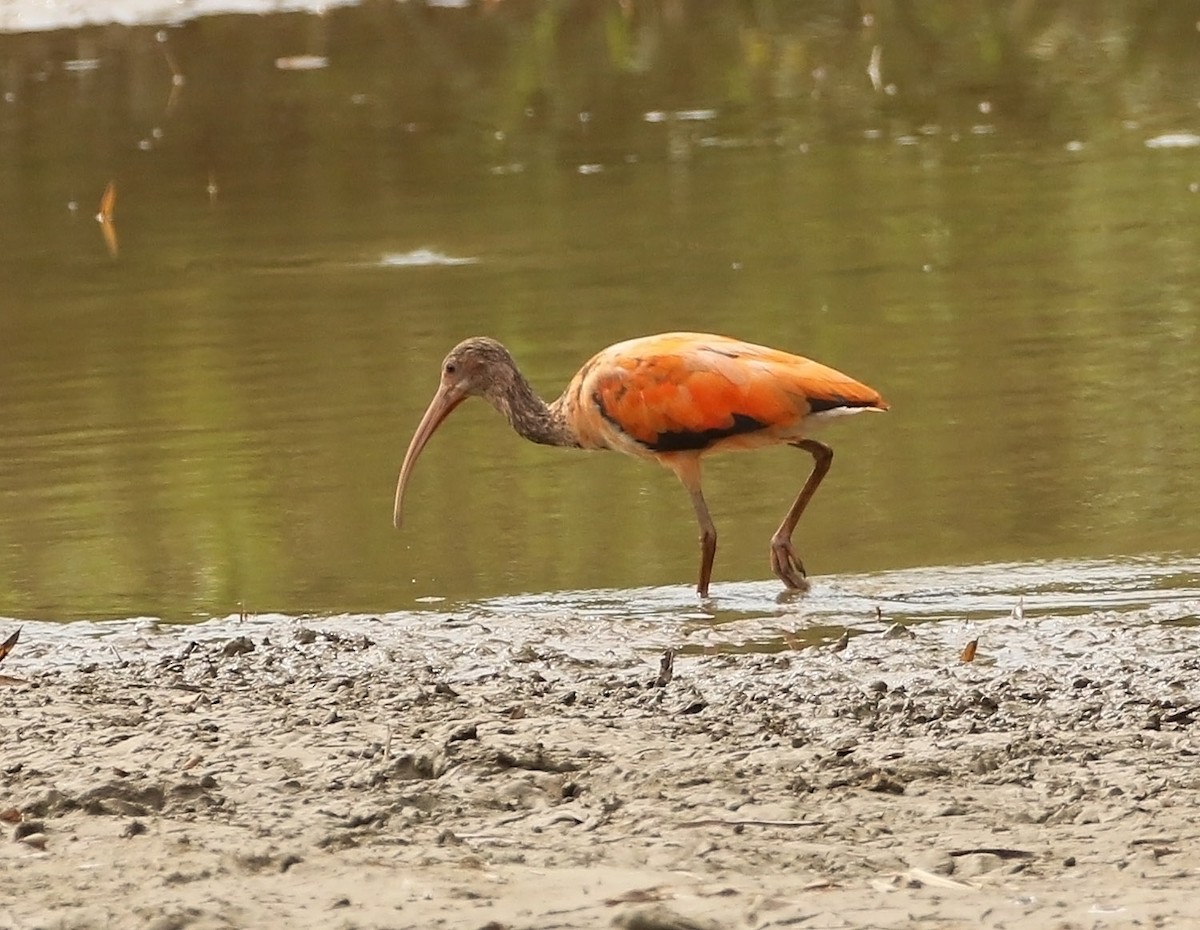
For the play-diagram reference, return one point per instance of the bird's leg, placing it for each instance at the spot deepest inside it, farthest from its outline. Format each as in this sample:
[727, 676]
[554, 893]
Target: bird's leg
[784, 561]
[688, 470]
[708, 541]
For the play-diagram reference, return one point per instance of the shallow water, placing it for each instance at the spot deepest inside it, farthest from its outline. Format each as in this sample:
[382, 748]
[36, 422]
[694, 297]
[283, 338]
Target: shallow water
[208, 409]
[1047, 615]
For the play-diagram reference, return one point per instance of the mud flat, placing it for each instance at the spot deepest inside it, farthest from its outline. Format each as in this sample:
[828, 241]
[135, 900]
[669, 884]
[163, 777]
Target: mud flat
[467, 773]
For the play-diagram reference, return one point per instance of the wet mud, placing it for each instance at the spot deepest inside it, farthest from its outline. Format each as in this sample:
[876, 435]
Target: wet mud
[468, 773]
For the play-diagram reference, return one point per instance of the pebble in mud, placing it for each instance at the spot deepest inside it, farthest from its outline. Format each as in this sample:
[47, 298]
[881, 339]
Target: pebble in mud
[28, 828]
[240, 645]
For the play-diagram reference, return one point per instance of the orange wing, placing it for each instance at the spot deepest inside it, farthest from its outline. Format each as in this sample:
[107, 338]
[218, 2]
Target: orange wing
[687, 391]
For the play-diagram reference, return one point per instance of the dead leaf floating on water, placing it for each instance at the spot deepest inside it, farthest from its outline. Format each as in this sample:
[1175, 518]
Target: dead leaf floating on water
[108, 203]
[874, 71]
[968, 653]
[301, 62]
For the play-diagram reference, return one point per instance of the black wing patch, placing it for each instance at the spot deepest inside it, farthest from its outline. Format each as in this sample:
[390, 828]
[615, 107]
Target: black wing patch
[691, 440]
[683, 440]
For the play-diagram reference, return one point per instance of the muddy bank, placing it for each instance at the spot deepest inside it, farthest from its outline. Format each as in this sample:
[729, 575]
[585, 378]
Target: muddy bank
[457, 773]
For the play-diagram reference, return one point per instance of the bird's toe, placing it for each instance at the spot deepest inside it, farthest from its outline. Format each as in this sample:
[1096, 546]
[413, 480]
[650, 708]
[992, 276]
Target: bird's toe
[787, 566]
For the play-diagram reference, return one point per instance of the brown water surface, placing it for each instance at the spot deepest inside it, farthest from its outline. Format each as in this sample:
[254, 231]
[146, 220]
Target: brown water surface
[997, 227]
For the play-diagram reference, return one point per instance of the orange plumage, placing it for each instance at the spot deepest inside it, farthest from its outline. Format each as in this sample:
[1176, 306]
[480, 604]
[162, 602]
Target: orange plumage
[671, 397]
[705, 393]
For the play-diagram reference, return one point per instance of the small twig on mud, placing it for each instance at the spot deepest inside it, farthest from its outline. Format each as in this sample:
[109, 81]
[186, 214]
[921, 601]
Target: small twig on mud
[666, 669]
[387, 743]
[114, 651]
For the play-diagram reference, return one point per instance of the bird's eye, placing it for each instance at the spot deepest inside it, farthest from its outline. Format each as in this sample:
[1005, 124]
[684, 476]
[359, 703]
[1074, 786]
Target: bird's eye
[451, 368]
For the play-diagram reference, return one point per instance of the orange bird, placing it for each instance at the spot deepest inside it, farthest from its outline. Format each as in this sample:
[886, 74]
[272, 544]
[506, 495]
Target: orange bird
[672, 398]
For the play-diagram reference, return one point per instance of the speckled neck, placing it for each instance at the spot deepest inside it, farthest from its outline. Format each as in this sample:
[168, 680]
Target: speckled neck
[545, 424]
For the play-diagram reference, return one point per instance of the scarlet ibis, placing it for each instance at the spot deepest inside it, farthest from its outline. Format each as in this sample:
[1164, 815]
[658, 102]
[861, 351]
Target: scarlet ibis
[672, 398]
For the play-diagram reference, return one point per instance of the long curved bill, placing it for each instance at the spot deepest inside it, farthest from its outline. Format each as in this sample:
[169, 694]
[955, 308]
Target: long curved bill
[442, 405]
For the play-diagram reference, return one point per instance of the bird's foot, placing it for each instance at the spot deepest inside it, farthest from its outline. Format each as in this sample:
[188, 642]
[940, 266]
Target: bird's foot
[786, 564]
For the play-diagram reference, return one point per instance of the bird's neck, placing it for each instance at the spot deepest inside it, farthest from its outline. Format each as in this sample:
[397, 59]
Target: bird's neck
[545, 424]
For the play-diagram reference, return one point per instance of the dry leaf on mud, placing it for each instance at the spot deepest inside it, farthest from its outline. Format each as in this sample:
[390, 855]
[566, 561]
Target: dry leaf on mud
[5, 648]
[968, 653]
[8, 644]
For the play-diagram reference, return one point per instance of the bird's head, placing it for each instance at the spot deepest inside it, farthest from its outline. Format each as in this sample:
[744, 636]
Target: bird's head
[479, 367]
